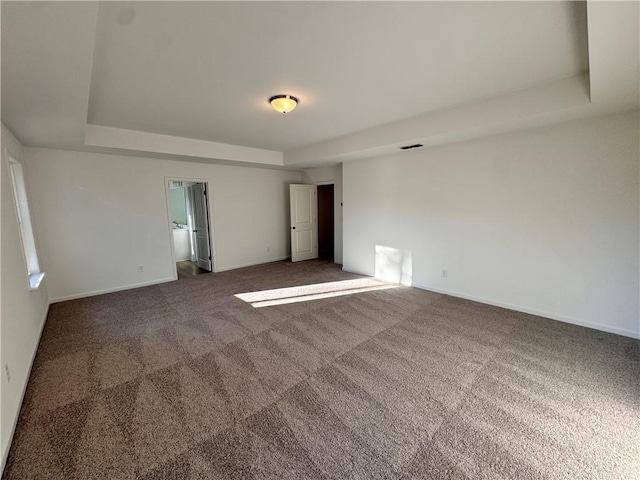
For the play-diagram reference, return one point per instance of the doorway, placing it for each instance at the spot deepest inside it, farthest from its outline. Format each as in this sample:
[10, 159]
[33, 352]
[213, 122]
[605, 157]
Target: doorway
[312, 221]
[187, 268]
[325, 222]
[190, 230]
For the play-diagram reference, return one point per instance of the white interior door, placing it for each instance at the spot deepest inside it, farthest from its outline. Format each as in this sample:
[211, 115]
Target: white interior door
[201, 224]
[191, 223]
[304, 222]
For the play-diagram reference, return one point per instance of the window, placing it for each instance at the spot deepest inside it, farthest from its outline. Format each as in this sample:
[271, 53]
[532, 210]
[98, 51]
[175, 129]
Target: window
[24, 222]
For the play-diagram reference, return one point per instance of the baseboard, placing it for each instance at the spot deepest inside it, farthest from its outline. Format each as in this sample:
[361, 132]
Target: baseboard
[553, 316]
[156, 282]
[539, 313]
[252, 264]
[5, 454]
[357, 272]
[111, 290]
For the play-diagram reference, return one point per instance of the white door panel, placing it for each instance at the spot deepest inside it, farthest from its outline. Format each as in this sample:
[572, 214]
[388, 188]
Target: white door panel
[304, 222]
[201, 231]
[304, 241]
[303, 205]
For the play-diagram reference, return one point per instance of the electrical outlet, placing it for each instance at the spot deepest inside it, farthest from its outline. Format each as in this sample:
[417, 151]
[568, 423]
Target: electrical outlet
[444, 274]
[140, 268]
[6, 371]
[268, 249]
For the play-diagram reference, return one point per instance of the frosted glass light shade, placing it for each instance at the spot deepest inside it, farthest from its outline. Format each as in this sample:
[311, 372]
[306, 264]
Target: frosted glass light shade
[283, 103]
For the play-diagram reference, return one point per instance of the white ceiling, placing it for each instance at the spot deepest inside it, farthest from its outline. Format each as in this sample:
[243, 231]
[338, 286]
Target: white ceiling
[204, 70]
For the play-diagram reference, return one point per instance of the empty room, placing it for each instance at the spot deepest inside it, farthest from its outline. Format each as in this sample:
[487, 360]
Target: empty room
[320, 240]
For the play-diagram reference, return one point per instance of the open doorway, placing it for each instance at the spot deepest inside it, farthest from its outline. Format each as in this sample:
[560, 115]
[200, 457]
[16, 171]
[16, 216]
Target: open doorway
[189, 217]
[312, 221]
[325, 222]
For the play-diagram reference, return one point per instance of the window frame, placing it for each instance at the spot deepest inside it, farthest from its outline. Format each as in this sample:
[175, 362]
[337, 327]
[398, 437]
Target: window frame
[15, 170]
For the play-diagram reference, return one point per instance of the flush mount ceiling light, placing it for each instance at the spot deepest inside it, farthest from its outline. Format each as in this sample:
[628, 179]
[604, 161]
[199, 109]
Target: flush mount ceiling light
[283, 103]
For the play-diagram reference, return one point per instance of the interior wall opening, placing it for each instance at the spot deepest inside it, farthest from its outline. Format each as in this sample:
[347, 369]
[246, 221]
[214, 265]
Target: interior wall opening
[326, 236]
[191, 232]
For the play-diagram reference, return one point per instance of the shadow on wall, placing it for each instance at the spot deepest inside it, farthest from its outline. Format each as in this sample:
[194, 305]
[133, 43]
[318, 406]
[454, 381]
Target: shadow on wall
[393, 265]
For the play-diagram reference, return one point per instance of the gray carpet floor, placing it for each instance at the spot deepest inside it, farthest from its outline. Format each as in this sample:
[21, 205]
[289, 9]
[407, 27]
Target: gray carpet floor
[186, 380]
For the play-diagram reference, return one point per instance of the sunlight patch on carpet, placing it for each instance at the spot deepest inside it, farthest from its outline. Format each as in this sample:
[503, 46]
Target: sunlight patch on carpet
[305, 293]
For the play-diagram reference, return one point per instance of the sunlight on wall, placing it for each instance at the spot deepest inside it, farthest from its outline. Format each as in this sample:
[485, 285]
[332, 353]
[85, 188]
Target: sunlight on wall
[393, 265]
[305, 293]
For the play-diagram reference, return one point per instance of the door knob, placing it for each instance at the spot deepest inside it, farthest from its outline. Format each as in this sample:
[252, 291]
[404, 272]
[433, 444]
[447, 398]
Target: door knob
[293, 228]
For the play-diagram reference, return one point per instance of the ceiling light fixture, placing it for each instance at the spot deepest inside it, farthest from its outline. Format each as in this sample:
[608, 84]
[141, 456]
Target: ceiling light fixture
[283, 103]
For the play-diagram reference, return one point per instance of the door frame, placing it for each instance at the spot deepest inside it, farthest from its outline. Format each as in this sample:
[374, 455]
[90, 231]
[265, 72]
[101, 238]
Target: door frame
[335, 217]
[167, 198]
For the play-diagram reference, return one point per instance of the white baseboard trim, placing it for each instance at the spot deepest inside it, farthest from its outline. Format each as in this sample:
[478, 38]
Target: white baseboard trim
[553, 316]
[357, 272]
[5, 454]
[532, 311]
[252, 264]
[111, 290]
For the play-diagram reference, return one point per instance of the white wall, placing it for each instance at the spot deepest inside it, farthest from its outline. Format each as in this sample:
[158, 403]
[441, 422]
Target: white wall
[544, 220]
[100, 216]
[22, 311]
[328, 175]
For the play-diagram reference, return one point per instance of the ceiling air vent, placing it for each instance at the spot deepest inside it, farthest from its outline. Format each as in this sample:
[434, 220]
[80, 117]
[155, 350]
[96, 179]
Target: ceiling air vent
[409, 147]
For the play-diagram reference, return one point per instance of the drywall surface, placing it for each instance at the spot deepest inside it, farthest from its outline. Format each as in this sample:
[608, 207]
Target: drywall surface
[330, 175]
[544, 220]
[23, 312]
[102, 216]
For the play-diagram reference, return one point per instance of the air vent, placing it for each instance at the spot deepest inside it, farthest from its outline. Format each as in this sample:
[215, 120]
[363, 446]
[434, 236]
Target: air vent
[409, 147]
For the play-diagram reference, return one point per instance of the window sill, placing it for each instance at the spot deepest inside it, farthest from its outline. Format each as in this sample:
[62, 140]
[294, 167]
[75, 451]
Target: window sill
[35, 279]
